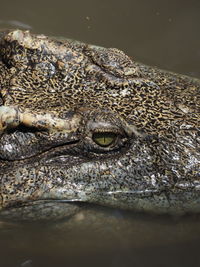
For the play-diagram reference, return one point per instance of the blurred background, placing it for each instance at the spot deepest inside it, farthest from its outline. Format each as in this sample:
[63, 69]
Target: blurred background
[156, 32]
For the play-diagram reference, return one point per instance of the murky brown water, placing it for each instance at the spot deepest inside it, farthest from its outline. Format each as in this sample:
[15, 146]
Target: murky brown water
[156, 32]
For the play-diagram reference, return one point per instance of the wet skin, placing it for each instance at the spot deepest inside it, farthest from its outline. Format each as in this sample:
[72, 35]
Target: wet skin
[80, 123]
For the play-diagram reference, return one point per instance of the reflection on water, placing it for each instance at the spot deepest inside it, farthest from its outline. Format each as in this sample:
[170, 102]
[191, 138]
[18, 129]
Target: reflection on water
[162, 33]
[102, 237]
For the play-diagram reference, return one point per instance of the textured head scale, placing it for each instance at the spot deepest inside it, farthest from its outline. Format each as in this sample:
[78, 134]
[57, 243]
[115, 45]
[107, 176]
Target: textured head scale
[60, 98]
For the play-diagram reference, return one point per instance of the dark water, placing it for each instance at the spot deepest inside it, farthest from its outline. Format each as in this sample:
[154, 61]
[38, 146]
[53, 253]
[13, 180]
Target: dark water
[156, 32]
[103, 237]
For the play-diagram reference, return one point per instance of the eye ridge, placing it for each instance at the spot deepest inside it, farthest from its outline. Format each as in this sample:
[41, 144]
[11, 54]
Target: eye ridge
[105, 138]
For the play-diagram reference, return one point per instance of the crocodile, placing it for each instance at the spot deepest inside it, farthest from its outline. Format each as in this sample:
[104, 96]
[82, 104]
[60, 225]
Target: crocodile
[81, 123]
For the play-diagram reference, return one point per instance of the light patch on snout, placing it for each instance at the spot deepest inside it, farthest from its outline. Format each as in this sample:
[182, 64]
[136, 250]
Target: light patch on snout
[125, 92]
[8, 148]
[11, 117]
[131, 129]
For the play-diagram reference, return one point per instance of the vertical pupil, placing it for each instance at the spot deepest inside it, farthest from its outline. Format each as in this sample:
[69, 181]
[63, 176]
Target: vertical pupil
[104, 139]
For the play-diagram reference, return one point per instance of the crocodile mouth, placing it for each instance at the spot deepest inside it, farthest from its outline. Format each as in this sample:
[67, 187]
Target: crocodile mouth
[11, 149]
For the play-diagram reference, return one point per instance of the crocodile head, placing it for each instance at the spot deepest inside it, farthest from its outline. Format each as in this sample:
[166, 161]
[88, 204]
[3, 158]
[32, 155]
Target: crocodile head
[81, 123]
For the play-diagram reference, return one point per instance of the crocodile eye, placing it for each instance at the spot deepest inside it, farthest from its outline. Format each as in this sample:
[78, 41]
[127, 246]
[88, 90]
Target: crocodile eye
[104, 139]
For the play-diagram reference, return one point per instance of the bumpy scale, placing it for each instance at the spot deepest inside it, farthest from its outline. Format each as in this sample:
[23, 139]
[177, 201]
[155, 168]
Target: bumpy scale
[81, 123]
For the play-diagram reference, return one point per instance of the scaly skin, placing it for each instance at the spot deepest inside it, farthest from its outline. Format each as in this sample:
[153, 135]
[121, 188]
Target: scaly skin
[55, 95]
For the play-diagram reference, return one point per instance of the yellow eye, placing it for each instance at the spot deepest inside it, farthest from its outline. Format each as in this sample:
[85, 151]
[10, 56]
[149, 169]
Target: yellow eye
[104, 138]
